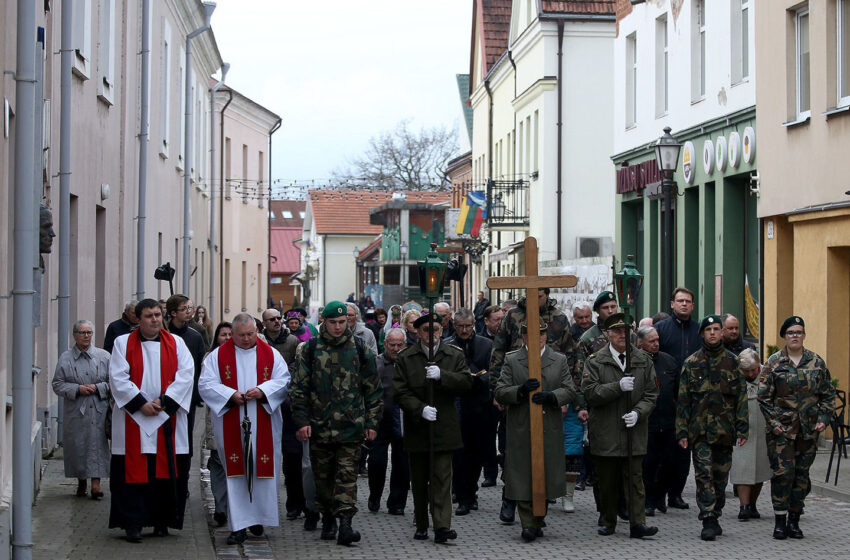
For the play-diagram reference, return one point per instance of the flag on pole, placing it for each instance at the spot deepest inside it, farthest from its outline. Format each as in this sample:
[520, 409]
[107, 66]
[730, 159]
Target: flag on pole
[473, 211]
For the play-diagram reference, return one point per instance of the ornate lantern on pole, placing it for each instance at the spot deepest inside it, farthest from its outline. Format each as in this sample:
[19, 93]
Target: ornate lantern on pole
[628, 283]
[667, 157]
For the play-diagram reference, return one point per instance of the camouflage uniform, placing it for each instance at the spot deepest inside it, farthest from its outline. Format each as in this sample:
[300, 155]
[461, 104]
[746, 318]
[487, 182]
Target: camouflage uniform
[336, 390]
[795, 398]
[712, 413]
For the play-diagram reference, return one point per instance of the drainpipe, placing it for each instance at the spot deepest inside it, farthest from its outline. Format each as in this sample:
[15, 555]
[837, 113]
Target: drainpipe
[489, 130]
[187, 144]
[268, 214]
[144, 138]
[25, 235]
[64, 297]
[560, 125]
[224, 68]
[221, 202]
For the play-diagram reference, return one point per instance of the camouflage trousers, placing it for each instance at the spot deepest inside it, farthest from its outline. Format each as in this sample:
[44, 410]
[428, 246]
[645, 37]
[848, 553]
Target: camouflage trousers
[790, 459]
[711, 473]
[335, 467]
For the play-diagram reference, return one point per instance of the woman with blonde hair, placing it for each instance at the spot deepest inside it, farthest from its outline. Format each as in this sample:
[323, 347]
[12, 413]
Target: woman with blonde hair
[407, 321]
[203, 319]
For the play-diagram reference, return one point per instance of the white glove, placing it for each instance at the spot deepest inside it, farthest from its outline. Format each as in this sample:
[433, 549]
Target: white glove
[429, 413]
[627, 383]
[432, 372]
[630, 419]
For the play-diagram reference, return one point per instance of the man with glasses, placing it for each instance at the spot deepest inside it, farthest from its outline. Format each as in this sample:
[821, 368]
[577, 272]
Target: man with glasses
[444, 310]
[477, 415]
[279, 336]
[797, 398]
[82, 380]
[359, 329]
[180, 312]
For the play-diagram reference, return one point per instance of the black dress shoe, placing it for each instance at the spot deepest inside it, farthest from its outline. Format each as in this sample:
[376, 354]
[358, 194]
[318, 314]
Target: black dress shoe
[640, 531]
[677, 502]
[160, 531]
[754, 513]
[237, 537]
[539, 532]
[605, 530]
[256, 530]
[311, 521]
[421, 534]
[374, 505]
[293, 514]
[395, 511]
[528, 534]
[462, 509]
[133, 534]
[660, 505]
[508, 512]
[650, 511]
[443, 534]
[220, 518]
[488, 482]
[744, 513]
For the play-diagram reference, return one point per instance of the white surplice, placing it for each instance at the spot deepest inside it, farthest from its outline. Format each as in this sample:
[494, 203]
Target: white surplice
[263, 510]
[124, 391]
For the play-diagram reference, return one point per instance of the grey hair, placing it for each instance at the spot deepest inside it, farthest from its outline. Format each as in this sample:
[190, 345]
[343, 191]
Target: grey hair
[582, 305]
[244, 319]
[400, 332]
[463, 314]
[355, 308]
[447, 306]
[643, 331]
[131, 304]
[81, 322]
[748, 359]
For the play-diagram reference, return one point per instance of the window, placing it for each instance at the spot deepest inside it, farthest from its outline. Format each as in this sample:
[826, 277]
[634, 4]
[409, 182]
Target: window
[82, 38]
[536, 167]
[661, 66]
[271, 215]
[165, 90]
[631, 80]
[106, 52]
[740, 40]
[301, 214]
[801, 19]
[287, 215]
[843, 46]
[698, 51]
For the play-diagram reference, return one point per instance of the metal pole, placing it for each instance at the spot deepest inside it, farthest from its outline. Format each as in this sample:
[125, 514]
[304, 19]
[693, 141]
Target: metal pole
[22, 306]
[667, 185]
[224, 68]
[144, 138]
[187, 164]
[431, 302]
[629, 408]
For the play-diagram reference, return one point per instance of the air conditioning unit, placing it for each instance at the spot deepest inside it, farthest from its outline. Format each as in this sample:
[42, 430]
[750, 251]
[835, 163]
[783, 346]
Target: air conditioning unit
[594, 246]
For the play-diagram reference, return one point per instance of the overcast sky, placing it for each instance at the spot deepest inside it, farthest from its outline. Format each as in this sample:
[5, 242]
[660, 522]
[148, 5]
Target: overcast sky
[340, 71]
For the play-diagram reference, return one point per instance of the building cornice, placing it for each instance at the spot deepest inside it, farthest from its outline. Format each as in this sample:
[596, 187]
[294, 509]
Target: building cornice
[542, 85]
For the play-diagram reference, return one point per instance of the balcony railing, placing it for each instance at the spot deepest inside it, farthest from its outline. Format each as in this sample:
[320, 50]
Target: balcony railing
[507, 204]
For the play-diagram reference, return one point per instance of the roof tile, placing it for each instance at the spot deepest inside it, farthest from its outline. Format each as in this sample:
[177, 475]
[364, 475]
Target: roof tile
[583, 7]
[346, 211]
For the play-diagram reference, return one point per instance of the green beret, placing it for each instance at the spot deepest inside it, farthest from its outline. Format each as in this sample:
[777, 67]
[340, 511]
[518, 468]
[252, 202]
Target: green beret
[613, 321]
[604, 297]
[334, 309]
[710, 320]
[790, 322]
[523, 327]
[423, 319]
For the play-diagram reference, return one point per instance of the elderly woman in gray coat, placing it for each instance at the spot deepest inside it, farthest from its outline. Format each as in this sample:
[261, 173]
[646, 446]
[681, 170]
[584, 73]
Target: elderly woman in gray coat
[82, 380]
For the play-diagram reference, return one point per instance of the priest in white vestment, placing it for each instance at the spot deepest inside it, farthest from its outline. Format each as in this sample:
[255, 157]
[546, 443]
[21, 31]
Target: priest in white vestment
[247, 371]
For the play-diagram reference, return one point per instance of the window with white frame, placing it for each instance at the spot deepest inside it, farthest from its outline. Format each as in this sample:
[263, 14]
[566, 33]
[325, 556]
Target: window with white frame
[182, 87]
[82, 38]
[698, 50]
[740, 40]
[801, 31]
[165, 90]
[631, 80]
[536, 166]
[286, 214]
[661, 66]
[843, 54]
[106, 52]
[528, 133]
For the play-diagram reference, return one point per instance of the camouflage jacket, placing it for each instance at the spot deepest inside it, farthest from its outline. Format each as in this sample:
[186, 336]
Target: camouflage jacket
[796, 397]
[558, 337]
[592, 341]
[336, 389]
[712, 398]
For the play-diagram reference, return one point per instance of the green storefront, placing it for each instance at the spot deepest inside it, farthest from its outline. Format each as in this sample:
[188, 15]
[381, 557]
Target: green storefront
[715, 224]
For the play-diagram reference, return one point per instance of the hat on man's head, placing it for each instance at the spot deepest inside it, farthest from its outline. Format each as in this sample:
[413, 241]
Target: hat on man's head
[710, 320]
[602, 298]
[614, 321]
[790, 322]
[334, 309]
[523, 327]
[422, 320]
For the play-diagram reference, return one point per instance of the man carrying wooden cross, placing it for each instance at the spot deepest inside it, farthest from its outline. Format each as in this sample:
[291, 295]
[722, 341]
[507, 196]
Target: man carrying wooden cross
[557, 390]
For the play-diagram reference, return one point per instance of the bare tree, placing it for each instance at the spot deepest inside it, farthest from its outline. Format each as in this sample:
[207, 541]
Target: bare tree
[404, 159]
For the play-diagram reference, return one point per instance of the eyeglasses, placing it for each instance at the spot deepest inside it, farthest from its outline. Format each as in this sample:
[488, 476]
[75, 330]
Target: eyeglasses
[275, 319]
[84, 333]
[459, 327]
[794, 333]
[185, 309]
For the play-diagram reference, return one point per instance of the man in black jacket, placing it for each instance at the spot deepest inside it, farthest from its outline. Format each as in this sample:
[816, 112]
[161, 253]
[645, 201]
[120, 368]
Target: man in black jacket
[732, 339]
[482, 304]
[124, 325]
[678, 335]
[477, 418]
[180, 312]
[659, 463]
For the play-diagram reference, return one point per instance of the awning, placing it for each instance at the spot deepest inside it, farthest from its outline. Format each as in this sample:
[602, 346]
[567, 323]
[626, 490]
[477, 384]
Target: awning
[502, 254]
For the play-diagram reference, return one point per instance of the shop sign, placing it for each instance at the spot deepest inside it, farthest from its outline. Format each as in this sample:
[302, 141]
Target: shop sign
[688, 163]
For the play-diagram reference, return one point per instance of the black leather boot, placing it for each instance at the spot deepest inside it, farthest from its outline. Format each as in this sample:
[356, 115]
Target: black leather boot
[328, 527]
[793, 529]
[709, 532]
[780, 529]
[346, 535]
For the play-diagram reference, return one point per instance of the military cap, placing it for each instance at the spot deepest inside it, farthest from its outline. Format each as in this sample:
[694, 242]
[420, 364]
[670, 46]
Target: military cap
[710, 320]
[790, 322]
[334, 309]
[614, 321]
[604, 297]
[523, 327]
[424, 319]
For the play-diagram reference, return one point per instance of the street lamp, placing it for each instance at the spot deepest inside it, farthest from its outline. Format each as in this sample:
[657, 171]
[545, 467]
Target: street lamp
[356, 254]
[498, 208]
[667, 157]
[403, 250]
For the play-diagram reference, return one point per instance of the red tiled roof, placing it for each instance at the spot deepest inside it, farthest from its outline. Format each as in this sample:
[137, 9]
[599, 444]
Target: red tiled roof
[294, 207]
[346, 211]
[584, 7]
[495, 27]
[287, 256]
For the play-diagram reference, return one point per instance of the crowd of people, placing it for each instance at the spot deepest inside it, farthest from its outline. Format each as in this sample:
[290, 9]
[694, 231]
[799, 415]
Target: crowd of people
[442, 399]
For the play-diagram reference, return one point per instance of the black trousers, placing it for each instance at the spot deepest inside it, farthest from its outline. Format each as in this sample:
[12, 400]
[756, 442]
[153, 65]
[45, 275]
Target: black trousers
[682, 466]
[660, 467]
[379, 457]
[478, 441]
[161, 502]
[292, 480]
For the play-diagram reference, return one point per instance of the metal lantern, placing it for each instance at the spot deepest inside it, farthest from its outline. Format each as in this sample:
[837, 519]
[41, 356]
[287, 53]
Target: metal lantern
[432, 274]
[667, 152]
[628, 283]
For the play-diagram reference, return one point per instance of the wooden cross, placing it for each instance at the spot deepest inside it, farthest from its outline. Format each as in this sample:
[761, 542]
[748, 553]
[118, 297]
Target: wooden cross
[532, 282]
